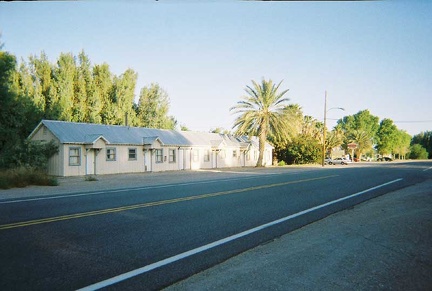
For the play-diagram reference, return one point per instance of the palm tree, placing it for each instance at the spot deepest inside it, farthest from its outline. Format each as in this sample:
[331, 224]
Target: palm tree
[335, 138]
[363, 141]
[263, 113]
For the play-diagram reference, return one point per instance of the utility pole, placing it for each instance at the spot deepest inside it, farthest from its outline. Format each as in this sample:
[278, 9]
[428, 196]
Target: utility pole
[324, 129]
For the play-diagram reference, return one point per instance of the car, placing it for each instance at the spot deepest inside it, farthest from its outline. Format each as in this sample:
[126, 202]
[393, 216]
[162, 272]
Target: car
[341, 161]
[385, 159]
[328, 161]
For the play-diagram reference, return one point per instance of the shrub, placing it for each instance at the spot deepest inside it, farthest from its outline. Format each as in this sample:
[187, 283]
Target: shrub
[91, 178]
[302, 150]
[26, 163]
[28, 154]
[417, 152]
[281, 163]
[25, 176]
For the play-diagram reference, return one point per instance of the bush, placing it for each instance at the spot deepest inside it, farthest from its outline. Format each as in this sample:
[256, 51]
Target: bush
[25, 176]
[26, 164]
[417, 152]
[303, 150]
[28, 154]
[281, 163]
[91, 178]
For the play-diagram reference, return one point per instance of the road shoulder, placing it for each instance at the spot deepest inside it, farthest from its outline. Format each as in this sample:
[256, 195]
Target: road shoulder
[383, 243]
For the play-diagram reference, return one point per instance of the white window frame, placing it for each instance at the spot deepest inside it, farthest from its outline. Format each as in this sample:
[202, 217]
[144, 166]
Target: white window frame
[206, 155]
[111, 154]
[159, 156]
[172, 155]
[75, 156]
[132, 151]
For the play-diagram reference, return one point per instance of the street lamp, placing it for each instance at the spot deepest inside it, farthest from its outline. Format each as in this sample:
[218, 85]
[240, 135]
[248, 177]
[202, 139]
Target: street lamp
[325, 126]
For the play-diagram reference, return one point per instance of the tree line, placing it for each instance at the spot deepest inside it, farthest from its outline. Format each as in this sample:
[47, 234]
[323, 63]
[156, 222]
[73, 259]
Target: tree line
[264, 111]
[73, 89]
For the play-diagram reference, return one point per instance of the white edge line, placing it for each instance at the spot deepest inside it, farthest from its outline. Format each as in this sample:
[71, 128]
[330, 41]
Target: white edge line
[427, 169]
[189, 253]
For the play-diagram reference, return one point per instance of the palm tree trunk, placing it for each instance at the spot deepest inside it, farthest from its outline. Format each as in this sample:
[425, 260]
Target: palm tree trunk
[262, 141]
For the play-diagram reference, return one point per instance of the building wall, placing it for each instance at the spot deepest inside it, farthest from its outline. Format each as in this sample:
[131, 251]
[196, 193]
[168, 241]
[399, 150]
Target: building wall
[191, 159]
[55, 164]
[105, 158]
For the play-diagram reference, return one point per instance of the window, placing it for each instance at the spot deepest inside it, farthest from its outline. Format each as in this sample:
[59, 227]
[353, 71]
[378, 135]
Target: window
[132, 154]
[234, 153]
[172, 156]
[74, 156]
[247, 155]
[159, 156]
[195, 155]
[111, 154]
[207, 156]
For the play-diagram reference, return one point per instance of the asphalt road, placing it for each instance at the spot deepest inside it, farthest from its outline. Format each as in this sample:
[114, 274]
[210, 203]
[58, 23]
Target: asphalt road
[148, 237]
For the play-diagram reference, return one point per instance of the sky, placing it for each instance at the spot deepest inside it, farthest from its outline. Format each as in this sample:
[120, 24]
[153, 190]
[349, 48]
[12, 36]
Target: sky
[374, 55]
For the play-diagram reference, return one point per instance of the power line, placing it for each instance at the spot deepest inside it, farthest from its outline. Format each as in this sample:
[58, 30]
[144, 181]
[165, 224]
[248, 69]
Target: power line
[412, 121]
[398, 121]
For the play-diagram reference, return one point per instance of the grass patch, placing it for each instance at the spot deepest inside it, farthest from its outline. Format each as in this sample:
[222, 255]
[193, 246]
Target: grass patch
[25, 176]
[91, 178]
[281, 164]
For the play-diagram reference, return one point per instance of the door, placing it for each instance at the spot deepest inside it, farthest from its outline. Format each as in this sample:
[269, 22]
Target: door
[90, 160]
[181, 159]
[147, 161]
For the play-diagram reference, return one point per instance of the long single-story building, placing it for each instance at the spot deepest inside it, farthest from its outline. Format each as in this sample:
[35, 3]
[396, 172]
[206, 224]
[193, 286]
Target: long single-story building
[90, 149]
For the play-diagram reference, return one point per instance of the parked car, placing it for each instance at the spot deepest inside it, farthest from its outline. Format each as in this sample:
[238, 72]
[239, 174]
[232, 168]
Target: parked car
[340, 161]
[384, 159]
[328, 161]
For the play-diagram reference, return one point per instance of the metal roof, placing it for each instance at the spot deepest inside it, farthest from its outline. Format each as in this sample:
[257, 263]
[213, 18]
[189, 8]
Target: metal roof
[88, 133]
[85, 133]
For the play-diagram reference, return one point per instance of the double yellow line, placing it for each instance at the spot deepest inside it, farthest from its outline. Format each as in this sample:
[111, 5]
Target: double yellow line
[150, 204]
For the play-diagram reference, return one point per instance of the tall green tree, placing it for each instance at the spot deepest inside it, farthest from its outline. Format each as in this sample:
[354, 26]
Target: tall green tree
[42, 73]
[153, 107]
[360, 128]
[64, 75]
[10, 115]
[83, 89]
[362, 120]
[103, 81]
[262, 112]
[402, 144]
[387, 137]
[425, 140]
[122, 96]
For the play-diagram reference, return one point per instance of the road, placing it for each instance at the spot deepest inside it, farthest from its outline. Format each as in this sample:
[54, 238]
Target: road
[148, 237]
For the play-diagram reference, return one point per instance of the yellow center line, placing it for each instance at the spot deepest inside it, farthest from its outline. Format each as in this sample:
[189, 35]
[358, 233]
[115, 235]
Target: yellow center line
[150, 204]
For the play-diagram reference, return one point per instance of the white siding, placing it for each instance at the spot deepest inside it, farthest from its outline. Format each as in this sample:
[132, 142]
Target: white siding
[93, 157]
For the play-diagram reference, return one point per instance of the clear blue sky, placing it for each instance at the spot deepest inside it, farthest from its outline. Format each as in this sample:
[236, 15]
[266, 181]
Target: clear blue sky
[367, 55]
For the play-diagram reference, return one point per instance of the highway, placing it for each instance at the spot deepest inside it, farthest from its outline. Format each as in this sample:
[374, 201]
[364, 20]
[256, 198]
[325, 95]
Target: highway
[148, 237]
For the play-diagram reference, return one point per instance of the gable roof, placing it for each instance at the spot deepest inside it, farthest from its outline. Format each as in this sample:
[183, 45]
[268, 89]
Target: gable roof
[85, 133]
[88, 133]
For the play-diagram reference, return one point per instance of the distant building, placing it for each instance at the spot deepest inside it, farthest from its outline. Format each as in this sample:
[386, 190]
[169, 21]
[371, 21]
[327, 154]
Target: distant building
[89, 149]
